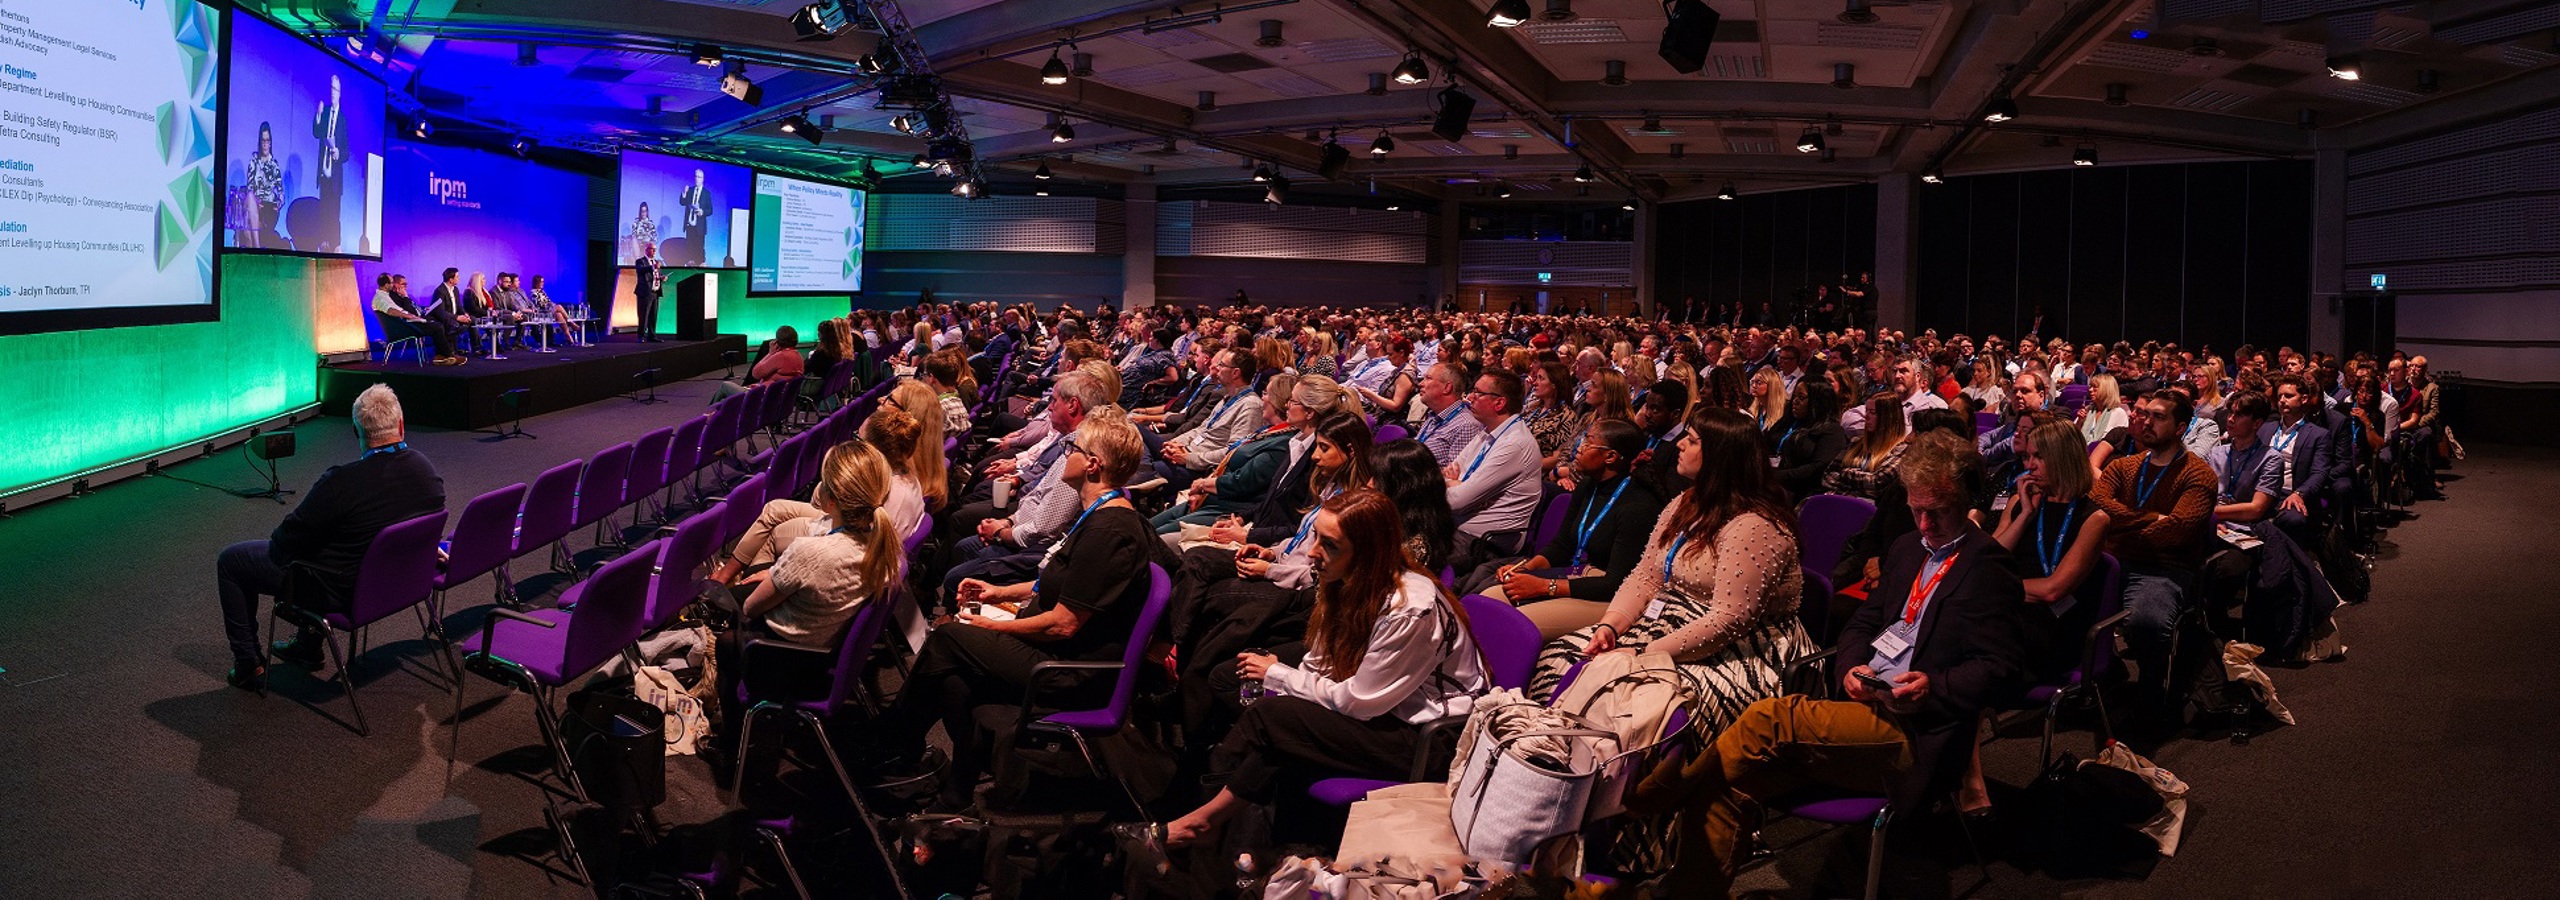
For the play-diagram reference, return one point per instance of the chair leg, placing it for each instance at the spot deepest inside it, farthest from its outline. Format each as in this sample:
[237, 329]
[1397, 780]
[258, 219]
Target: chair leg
[888, 857]
[1875, 853]
[1090, 759]
[746, 742]
[790, 871]
[548, 723]
[348, 678]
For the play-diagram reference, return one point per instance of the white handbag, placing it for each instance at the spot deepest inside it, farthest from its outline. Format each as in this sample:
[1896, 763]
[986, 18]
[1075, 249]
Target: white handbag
[1511, 798]
[685, 725]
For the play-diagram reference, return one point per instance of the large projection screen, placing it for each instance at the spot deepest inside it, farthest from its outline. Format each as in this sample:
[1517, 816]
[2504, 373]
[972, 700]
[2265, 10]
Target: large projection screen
[695, 211]
[808, 237]
[302, 169]
[108, 150]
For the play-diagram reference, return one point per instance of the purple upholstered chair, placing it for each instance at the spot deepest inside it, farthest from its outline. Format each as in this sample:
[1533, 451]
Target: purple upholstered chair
[1814, 610]
[744, 504]
[764, 688]
[398, 572]
[1083, 725]
[1824, 524]
[684, 454]
[677, 580]
[600, 491]
[2072, 398]
[1550, 517]
[541, 651]
[550, 513]
[483, 540]
[1510, 643]
[1984, 422]
[2097, 661]
[648, 473]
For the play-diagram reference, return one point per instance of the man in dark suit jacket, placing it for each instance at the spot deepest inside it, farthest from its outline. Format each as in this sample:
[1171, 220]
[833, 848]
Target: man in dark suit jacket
[649, 282]
[696, 203]
[329, 125]
[1941, 629]
[2309, 450]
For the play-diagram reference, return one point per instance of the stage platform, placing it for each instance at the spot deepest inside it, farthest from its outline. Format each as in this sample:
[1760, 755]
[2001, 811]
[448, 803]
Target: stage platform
[466, 396]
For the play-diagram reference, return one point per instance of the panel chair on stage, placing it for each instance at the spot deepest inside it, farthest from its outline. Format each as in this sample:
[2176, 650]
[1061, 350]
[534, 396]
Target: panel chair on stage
[398, 572]
[397, 333]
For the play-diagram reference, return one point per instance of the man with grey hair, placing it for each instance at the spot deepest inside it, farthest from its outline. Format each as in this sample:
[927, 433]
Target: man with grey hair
[339, 517]
[1049, 502]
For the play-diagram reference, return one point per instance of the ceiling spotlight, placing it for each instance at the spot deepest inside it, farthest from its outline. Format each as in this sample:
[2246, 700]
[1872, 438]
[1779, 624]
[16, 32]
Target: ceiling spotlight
[1042, 173]
[1385, 144]
[2429, 81]
[706, 55]
[1844, 75]
[1934, 176]
[1810, 141]
[1558, 11]
[1393, 207]
[1502, 190]
[1413, 70]
[1277, 191]
[1507, 13]
[523, 146]
[2116, 95]
[2346, 68]
[905, 124]
[1614, 73]
[422, 130]
[1270, 34]
[1629, 204]
[1040, 191]
[1055, 70]
[799, 124]
[1727, 193]
[920, 162]
[1858, 13]
[821, 21]
[1584, 175]
[878, 64]
[735, 84]
[1082, 65]
[944, 168]
[2087, 155]
[2002, 109]
[1063, 133]
[1208, 102]
[1653, 125]
[1262, 174]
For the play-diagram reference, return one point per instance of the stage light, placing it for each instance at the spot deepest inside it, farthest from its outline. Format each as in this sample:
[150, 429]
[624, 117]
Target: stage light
[1507, 13]
[1385, 144]
[2087, 155]
[799, 124]
[1844, 75]
[706, 55]
[879, 64]
[821, 21]
[1628, 204]
[1502, 191]
[735, 84]
[921, 162]
[1055, 71]
[1614, 72]
[523, 146]
[1063, 133]
[2346, 68]
[1934, 176]
[1584, 175]
[1809, 142]
[1277, 192]
[2002, 109]
[968, 189]
[1858, 14]
[1413, 70]
[905, 124]
[1040, 192]
[1042, 173]
[1727, 193]
[1332, 159]
[1558, 11]
[423, 129]
[1262, 174]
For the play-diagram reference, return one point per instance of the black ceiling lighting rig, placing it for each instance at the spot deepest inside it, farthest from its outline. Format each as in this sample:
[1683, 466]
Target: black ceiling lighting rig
[908, 84]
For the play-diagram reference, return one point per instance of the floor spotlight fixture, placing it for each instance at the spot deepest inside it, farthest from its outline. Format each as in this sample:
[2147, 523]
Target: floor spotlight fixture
[1385, 144]
[1727, 193]
[1042, 173]
[1413, 70]
[1055, 70]
[2087, 155]
[2346, 68]
[1507, 13]
[1810, 141]
[1613, 72]
[2002, 109]
[1584, 175]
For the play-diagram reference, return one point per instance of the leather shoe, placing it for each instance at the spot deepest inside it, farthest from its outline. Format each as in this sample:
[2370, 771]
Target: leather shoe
[304, 650]
[248, 676]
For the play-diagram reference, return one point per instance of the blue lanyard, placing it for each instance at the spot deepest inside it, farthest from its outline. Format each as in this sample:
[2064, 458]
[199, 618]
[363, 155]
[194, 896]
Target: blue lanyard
[1488, 448]
[1673, 555]
[1433, 426]
[1107, 496]
[2284, 437]
[1195, 393]
[2051, 553]
[1367, 367]
[394, 447]
[1222, 407]
[2233, 469]
[2144, 481]
[1591, 522]
[1781, 445]
[1307, 523]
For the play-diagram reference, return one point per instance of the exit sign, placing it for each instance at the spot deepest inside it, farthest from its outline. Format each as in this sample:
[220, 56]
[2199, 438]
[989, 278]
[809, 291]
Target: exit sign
[2379, 280]
[1545, 277]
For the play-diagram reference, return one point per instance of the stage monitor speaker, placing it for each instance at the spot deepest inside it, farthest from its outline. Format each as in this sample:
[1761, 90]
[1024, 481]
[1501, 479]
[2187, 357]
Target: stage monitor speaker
[1691, 31]
[272, 445]
[698, 306]
[1455, 109]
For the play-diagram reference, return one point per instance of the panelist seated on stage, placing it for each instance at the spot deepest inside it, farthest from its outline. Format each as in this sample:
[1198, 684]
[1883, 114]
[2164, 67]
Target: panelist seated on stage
[400, 319]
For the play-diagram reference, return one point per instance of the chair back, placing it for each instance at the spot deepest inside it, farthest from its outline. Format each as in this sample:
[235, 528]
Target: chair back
[1392, 432]
[398, 570]
[484, 537]
[853, 656]
[600, 488]
[610, 611]
[2073, 398]
[1815, 609]
[675, 582]
[1984, 422]
[684, 451]
[1124, 687]
[745, 503]
[1550, 516]
[777, 400]
[550, 507]
[1824, 525]
[726, 425]
[2106, 586]
[649, 470]
[1509, 640]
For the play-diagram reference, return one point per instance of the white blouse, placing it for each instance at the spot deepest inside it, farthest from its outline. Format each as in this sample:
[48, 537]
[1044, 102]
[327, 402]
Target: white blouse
[1414, 645]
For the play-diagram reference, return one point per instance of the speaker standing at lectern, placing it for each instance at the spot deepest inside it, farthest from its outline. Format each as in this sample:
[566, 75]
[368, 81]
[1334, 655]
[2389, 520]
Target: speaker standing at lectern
[652, 282]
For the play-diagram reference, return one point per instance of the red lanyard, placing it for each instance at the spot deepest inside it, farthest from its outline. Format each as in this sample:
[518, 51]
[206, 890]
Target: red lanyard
[1911, 607]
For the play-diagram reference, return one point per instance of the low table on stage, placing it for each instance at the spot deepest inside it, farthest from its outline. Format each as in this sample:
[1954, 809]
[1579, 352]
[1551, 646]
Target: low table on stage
[466, 397]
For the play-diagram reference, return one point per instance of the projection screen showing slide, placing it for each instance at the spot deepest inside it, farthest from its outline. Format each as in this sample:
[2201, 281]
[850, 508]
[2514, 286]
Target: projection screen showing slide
[808, 237]
[695, 211]
[302, 148]
[107, 156]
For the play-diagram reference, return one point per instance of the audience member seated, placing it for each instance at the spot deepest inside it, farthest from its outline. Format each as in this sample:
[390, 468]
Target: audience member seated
[401, 321]
[1235, 418]
[1386, 651]
[1719, 583]
[1042, 509]
[1447, 425]
[942, 374]
[1809, 439]
[328, 533]
[1245, 475]
[778, 360]
[891, 434]
[2161, 505]
[1941, 629]
[1660, 416]
[1568, 584]
[1408, 475]
[1080, 603]
[1493, 480]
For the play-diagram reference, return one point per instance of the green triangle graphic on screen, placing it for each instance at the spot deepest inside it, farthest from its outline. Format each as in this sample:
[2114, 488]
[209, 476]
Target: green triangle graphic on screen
[172, 238]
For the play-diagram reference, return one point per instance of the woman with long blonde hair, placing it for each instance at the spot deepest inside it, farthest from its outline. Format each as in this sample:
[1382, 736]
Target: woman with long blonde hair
[927, 465]
[2106, 409]
[810, 595]
[1768, 398]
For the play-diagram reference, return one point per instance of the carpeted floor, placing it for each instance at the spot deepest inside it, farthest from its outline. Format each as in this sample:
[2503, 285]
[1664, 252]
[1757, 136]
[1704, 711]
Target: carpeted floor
[2420, 767]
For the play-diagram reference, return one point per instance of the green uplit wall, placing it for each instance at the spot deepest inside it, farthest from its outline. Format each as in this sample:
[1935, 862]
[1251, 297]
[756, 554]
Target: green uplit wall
[84, 399]
[755, 317]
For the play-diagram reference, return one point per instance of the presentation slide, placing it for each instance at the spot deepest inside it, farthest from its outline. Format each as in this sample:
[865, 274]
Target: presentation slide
[483, 213]
[303, 147]
[808, 237]
[695, 211]
[107, 115]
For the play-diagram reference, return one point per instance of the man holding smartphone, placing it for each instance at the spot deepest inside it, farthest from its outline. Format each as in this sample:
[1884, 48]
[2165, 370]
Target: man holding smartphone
[1937, 641]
